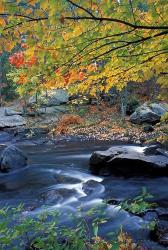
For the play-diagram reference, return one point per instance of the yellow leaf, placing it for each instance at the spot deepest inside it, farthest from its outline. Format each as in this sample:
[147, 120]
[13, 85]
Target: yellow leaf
[1, 7]
[29, 52]
[2, 22]
[44, 5]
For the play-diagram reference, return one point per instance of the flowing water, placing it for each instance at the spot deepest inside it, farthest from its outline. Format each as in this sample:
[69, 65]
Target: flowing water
[58, 178]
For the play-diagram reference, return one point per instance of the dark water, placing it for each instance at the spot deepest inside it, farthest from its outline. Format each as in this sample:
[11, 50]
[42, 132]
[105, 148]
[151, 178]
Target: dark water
[57, 177]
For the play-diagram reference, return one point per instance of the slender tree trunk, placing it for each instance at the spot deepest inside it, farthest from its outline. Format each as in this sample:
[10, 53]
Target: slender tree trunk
[0, 82]
[123, 102]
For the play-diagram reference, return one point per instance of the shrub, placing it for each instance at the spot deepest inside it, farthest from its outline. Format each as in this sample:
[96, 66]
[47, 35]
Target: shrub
[18, 230]
[67, 120]
[139, 205]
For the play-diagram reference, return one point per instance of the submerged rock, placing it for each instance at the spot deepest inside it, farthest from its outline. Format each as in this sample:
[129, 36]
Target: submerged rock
[58, 195]
[92, 186]
[128, 161]
[11, 159]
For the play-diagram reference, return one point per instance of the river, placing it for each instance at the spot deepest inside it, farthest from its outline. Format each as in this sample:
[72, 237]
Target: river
[58, 178]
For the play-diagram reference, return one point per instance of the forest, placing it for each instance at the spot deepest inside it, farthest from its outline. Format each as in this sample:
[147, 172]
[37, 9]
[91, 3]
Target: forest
[83, 124]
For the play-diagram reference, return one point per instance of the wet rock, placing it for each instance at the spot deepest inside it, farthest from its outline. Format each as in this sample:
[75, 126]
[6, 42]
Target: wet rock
[31, 177]
[91, 186]
[160, 233]
[151, 149]
[66, 179]
[11, 159]
[149, 113]
[129, 161]
[58, 195]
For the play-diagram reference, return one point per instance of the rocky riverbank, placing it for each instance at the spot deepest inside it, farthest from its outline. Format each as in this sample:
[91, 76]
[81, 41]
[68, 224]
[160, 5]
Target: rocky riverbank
[86, 122]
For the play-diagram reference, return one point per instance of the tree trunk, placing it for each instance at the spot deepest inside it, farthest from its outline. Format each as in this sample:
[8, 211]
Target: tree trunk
[123, 102]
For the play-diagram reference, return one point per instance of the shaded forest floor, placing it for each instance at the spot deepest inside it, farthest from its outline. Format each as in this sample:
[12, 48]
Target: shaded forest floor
[105, 123]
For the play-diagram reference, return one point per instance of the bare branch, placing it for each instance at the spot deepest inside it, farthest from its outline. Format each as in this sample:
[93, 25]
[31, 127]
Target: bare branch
[93, 18]
[115, 20]
[129, 43]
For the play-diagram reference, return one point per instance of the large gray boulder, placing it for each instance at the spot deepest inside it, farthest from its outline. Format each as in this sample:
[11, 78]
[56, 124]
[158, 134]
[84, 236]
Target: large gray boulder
[11, 159]
[149, 113]
[130, 161]
[51, 98]
[12, 120]
[10, 112]
[159, 108]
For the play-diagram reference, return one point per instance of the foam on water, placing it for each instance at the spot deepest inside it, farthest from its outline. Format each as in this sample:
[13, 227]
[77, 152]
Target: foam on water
[82, 176]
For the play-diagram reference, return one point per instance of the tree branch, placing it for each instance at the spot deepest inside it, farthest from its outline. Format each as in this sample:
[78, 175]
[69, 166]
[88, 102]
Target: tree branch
[145, 53]
[93, 18]
[129, 43]
[115, 20]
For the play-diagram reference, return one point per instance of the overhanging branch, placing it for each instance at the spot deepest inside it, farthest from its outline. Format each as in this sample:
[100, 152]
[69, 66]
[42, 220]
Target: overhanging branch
[115, 20]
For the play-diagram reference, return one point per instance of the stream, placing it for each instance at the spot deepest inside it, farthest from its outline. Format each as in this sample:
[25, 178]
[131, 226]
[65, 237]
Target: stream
[58, 178]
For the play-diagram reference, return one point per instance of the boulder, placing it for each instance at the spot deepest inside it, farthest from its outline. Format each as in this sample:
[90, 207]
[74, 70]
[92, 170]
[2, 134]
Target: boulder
[13, 120]
[11, 159]
[159, 108]
[52, 98]
[52, 110]
[129, 161]
[149, 113]
[10, 111]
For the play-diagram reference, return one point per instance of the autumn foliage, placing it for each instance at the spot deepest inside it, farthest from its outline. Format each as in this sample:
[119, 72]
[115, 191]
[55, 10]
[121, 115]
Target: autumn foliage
[97, 46]
[65, 121]
[17, 59]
